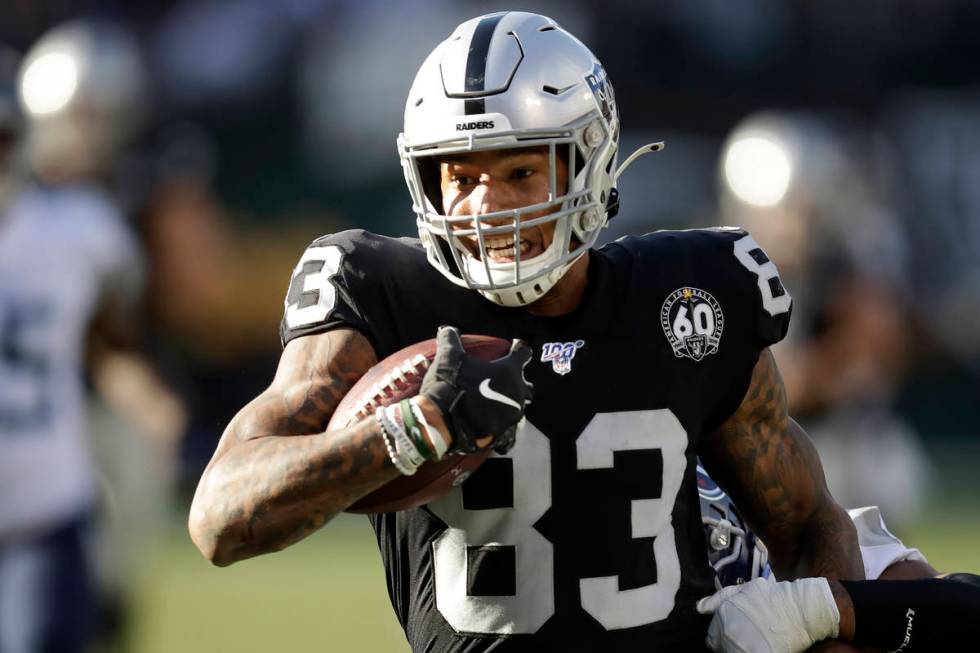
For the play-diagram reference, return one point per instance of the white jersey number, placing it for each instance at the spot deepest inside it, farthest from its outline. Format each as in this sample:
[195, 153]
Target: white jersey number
[766, 272]
[533, 602]
[631, 431]
[316, 282]
[25, 401]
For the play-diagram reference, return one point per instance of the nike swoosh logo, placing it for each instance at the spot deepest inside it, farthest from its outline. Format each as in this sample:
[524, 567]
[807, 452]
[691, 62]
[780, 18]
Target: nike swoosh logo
[493, 395]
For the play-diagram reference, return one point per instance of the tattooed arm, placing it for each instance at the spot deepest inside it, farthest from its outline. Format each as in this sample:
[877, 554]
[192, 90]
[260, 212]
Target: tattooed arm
[276, 476]
[769, 467]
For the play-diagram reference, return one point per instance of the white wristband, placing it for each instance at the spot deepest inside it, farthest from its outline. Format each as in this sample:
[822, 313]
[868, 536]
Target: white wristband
[439, 442]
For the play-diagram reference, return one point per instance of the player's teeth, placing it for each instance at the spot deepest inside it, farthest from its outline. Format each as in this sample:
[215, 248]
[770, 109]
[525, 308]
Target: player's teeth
[503, 246]
[498, 243]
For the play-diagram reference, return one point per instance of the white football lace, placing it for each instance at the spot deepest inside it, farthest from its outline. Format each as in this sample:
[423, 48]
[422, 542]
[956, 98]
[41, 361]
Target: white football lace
[399, 378]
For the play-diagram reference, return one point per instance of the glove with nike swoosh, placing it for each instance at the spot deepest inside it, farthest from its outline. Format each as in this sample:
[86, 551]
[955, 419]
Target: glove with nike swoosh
[763, 616]
[477, 398]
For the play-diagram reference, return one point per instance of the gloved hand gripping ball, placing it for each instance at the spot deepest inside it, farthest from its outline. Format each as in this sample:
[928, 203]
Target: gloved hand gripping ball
[478, 397]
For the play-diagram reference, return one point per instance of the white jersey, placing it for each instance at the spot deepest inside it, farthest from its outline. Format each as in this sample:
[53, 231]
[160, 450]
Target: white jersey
[879, 548]
[61, 251]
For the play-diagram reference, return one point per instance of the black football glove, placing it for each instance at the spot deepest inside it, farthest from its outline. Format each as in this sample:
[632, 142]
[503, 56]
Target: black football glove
[477, 398]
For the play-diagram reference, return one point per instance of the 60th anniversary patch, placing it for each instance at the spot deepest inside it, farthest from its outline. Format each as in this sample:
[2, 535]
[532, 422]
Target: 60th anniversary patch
[693, 322]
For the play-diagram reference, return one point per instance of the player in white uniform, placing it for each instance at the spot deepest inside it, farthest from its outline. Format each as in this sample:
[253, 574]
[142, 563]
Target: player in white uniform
[64, 254]
[64, 257]
[879, 547]
[753, 612]
[738, 556]
[69, 277]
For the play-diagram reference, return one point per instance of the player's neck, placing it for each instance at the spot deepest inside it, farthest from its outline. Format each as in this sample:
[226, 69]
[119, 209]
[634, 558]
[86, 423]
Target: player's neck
[567, 294]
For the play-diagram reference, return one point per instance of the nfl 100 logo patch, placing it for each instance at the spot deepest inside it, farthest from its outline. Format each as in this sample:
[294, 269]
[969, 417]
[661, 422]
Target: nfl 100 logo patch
[692, 321]
[560, 354]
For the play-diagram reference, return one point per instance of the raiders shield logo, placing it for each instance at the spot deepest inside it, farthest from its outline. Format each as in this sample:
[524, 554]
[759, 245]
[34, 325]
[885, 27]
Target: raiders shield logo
[692, 321]
[602, 90]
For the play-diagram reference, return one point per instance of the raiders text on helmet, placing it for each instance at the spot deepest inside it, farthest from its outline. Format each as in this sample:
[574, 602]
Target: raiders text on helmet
[502, 81]
[481, 124]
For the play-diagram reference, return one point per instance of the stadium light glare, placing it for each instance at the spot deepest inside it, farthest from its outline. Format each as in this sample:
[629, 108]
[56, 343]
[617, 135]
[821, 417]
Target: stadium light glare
[49, 83]
[757, 170]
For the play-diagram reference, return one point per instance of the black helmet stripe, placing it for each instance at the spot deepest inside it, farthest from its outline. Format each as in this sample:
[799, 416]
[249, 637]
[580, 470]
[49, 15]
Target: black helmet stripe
[476, 61]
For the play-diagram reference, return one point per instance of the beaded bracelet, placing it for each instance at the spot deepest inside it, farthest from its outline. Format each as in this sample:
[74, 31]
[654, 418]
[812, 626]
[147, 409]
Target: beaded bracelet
[396, 459]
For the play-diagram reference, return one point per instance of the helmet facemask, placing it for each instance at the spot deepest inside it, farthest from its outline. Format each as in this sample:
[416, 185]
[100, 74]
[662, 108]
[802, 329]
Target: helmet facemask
[577, 211]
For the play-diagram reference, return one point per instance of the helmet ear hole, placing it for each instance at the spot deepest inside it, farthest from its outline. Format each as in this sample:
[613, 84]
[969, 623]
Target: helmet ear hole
[612, 204]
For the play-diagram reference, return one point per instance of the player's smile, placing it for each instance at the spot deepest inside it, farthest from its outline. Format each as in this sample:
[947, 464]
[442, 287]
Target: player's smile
[502, 249]
[500, 180]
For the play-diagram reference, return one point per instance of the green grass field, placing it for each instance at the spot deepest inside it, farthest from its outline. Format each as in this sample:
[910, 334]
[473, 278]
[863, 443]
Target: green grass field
[324, 594]
[328, 594]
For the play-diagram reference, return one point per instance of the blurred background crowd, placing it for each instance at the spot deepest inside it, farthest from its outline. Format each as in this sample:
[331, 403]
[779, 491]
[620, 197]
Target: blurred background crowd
[227, 134]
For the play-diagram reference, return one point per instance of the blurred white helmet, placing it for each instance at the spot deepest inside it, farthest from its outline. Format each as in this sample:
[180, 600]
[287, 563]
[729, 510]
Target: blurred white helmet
[805, 185]
[503, 81]
[81, 87]
[796, 159]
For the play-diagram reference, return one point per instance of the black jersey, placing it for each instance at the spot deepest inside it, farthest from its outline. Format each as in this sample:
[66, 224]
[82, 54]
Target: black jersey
[587, 535]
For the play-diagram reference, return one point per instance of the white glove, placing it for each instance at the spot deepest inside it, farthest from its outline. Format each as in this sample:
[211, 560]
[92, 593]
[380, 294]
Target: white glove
[766, 617]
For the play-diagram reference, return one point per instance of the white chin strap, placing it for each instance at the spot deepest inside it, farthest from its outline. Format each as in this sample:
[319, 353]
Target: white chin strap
[529, 292]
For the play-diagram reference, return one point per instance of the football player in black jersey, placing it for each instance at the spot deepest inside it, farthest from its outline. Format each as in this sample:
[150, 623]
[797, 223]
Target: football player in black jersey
[582, 531]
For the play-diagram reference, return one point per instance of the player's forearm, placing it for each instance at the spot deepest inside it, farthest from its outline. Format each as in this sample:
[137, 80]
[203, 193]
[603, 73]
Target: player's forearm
[828, 545]
[266, 493]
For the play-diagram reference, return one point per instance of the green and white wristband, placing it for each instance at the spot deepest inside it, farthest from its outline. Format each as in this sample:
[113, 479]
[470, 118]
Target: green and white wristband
[402, 451]
[439, 443]
[414, 431]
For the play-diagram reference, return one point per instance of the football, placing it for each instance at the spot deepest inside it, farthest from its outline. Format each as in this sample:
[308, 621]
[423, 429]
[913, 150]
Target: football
[398, 377]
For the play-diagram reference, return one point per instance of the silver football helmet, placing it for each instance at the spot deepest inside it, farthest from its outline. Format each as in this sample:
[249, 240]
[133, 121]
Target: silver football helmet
[81, 87]
[502, 81]
[734, 552]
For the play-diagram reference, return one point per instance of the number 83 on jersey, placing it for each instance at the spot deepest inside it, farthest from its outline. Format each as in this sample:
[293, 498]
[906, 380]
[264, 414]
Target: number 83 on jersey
[526, 607]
